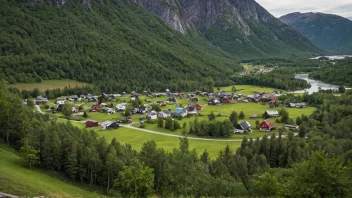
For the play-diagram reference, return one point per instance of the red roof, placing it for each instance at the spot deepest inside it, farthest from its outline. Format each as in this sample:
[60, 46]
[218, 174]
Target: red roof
[269, 124]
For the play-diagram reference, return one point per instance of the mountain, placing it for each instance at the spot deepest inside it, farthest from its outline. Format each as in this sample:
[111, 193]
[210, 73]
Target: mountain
[329, 32]
[124, 45]
[241, 27]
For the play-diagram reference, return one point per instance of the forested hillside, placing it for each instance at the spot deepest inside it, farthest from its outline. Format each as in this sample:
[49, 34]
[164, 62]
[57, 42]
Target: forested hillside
[275, 166]
[339, 73]
[114, 45]
[120, 46]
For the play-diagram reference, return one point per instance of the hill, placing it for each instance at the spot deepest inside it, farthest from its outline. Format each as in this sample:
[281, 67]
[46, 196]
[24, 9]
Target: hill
[16, 179]
[329, 32]
[120, 46]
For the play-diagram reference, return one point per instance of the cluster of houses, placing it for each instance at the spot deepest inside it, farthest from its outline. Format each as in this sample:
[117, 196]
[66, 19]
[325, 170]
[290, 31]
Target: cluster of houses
[189, 110]
[224, 98]
[266, 125]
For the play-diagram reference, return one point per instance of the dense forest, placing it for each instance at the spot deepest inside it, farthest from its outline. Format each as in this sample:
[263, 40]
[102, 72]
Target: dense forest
[339, 73]
[115, 46]
[281, 78]
[281, 166]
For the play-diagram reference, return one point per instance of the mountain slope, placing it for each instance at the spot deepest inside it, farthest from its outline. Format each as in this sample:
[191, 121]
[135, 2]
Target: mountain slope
[16, 179]
[241, 27]
[330, 32]
[119, 46]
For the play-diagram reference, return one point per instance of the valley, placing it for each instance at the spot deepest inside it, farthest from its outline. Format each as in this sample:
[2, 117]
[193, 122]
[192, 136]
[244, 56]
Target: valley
[174, 98]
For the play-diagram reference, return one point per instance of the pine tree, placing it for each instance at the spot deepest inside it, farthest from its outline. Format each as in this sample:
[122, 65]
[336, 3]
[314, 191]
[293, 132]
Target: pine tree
[234, 118]
[241, 116]
[160, 122]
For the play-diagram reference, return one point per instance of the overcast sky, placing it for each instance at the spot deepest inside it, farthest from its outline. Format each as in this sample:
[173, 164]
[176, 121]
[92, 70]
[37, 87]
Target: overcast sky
[282, 7]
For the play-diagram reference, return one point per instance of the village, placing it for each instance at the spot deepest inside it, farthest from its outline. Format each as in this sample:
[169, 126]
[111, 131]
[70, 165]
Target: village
[109, 111]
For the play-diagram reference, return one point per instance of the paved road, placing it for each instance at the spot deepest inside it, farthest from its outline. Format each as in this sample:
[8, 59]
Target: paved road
[38, 109]
[7, 195]
[180, 136]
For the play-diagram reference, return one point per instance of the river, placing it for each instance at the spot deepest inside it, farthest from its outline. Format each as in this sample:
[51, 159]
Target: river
[315, 84]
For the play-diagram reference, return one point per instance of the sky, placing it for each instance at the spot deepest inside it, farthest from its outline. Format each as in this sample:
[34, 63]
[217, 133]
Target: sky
[282, 7]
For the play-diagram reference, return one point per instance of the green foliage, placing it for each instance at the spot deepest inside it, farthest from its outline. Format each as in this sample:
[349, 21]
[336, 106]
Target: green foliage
[211, 116]
[135, 181]
[241, 116]
[234, 118]
[160, 122]
[85, 114]
[267, 186]
[127, 112]
[285, 117]
[67, 110]
[319, 177]
[338, 74]
[282, 78]
[30, 155]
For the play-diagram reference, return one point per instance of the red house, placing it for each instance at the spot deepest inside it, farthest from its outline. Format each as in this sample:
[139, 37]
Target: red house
[198, 107]
[91, 124]
[266, 125]
[95, 108]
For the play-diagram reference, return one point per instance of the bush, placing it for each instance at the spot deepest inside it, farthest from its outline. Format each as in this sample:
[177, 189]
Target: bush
[142, 126]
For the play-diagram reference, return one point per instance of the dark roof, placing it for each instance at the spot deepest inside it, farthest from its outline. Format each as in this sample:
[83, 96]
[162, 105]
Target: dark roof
[269, 123]
[244, 125]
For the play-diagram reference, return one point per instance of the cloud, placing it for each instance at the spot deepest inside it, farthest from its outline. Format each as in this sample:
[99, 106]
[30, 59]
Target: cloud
[281, 7]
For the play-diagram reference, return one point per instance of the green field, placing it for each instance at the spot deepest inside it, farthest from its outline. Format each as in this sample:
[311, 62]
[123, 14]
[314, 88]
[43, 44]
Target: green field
[137, 138]
[245, 89]
[48, 84]
[18, 180]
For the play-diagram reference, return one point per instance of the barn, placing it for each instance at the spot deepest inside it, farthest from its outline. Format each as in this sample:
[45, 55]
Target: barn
[266, 125]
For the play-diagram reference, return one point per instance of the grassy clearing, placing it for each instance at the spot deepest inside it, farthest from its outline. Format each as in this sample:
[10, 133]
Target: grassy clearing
[49, 84]
[16, 179]
[137, 138]
[245, 89]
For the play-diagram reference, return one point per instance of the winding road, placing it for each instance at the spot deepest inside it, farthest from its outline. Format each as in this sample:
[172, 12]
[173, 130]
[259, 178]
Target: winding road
[160, 133]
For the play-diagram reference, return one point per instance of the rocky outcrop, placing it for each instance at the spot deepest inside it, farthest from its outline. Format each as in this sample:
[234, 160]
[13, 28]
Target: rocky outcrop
[185, 14]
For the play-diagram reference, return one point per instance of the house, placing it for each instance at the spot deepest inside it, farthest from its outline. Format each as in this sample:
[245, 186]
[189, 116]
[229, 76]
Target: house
[213, 101]
[291, 127]
[74, 110]
[106, 124]
[91, 124]
[198, 107]
[102, 105]
[94, 107]
[142, 110]
[41, 100]
[297, 105]
[191, 110]
[254, 117]
[121, 107]
[269, 98]
[75, 98]
[197, 92]
[92, 99]
[114, 125]
[152, 116]
[194, 99]
[266, 125]
[271, 113]
[225, 100]
[164, 114]
[171, 100]
[244, 127]
[60, 101]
